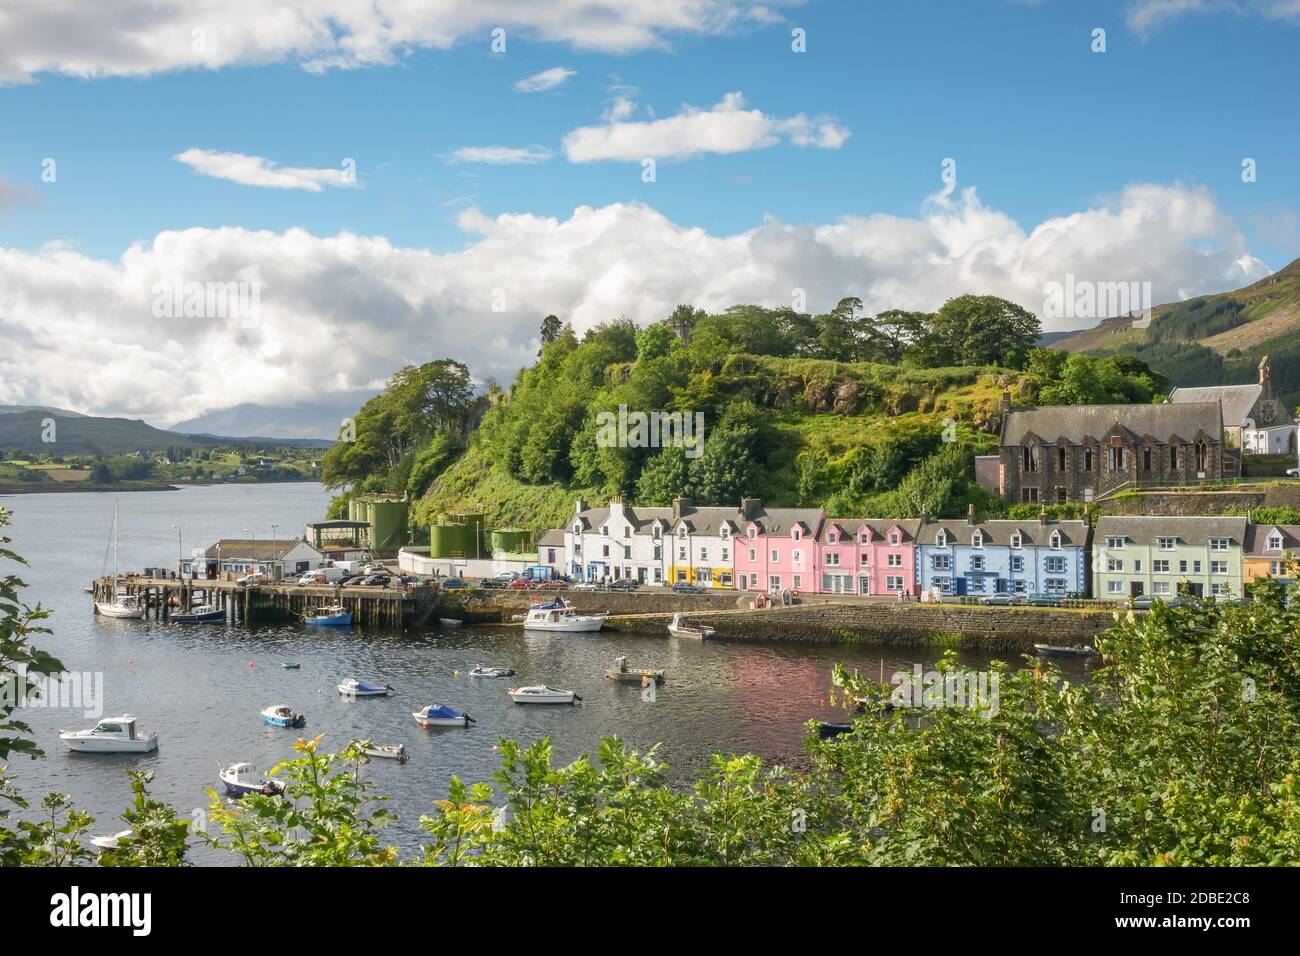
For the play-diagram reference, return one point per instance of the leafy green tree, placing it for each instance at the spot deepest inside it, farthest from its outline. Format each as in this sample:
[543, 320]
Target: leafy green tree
[655, 341]
[978, 330]
[666, 476]
[729, 467]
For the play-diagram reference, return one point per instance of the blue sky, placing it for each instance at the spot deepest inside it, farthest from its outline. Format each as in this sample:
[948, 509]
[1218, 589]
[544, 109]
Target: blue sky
[1041, 127]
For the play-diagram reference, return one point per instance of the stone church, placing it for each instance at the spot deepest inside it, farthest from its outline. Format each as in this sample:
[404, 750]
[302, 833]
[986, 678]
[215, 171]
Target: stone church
[1062, 453]
[1255, 419]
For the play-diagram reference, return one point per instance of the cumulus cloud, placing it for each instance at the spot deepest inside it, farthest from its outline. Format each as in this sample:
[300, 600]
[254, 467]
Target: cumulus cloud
[141, 37]
[725, 128]
[545, 80]
[258, 171]
[338, 314]
[1147, 16]
[501, 155]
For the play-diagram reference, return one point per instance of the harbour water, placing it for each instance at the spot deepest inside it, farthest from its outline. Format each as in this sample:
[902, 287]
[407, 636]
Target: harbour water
[202, 686]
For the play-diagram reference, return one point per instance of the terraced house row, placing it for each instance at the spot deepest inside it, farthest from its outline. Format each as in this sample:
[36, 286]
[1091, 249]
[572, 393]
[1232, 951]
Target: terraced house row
[755, 548]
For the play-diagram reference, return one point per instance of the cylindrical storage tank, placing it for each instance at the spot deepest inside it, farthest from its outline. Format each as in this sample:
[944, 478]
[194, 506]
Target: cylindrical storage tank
[514, 540]
[452, 541]
[387, 524]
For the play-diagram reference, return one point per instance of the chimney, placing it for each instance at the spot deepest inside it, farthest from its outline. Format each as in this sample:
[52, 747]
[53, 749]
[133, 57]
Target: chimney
[680, 507]
[616, 506]
[750, 508]
[1042, 515]
[1006, 400]
[970, 513]
[580, 506]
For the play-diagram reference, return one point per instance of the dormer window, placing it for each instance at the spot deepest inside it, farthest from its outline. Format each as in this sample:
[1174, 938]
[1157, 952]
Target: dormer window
[655, 533]
[753, 533]
[941, 539]
[862, 538]
[577, 529]
[977, 539]
[724, 532]
[1055, 540]
[604, 529]
[681, 532]
[1274, 542]
[893, 538]
[831, 538]
[1016, 540]
[797, 534]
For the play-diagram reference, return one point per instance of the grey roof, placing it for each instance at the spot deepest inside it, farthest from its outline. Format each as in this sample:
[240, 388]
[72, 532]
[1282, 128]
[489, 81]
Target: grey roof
[338, 523]
[1145, 529]
[1257, 538]
[879, 526]
[260, 550]
[552, 538]
[709, 520]
[998, 531]
[643, 518]
[1078, 422]
[593, 517]
[1237, 400]
[782, 520]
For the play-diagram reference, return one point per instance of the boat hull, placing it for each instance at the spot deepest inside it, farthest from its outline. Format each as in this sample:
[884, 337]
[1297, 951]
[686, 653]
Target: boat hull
[461, 721]
[332, 620]
[118, 611]
[581, 625]
[92, 745]
[553, 697]
[347, 691]
[201, 617]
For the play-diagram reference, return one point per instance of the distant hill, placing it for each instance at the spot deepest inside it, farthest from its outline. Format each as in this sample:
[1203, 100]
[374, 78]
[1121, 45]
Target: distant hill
[22, 428]
[1213, 339]
[319, 420]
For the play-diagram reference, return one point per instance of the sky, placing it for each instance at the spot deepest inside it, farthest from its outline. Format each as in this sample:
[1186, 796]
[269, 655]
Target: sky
[396, 181]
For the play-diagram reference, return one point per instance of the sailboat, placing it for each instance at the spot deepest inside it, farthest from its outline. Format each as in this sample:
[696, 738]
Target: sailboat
[122, 605]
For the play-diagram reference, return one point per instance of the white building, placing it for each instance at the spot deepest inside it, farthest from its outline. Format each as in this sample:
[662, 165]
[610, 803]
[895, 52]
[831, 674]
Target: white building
[277, 559]
[703, 544]
[616, 542]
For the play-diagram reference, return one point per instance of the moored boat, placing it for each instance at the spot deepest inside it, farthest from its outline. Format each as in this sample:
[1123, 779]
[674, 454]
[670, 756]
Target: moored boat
[387, 752]
[481, 671]
[360, 688]
[203, 614]
[450, 621]
[334, 615]
[112, 735]
[243, 778]
[678, 627]
[560, 616]
[126, 606]
[624, 674]
[291, 665]
[440, 715]
[280, 715]
[541, 694]
[1051, 650]
[111, 841]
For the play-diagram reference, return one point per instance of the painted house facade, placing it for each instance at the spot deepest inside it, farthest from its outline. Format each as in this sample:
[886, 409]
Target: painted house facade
[703, 545]
[866, 556]
[1165, 556]
[276, 559]
[618, 541]
[1270, 552]
[778, 547]
[551, 551]
[1003, 556]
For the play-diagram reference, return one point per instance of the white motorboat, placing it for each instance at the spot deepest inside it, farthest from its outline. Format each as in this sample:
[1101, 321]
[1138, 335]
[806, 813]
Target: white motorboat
[680, 628]
[388, 752]
[560, 616]
[123, 605]
[243, 778]
[440, 715]
[481, 671]
[110, 842]
[360, 688]
[541, 694]
[112, 735]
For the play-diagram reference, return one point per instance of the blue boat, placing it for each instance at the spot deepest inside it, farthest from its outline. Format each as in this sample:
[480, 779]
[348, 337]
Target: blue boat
[440, 715]
[335, 616]
[279, 715]
[203, 614]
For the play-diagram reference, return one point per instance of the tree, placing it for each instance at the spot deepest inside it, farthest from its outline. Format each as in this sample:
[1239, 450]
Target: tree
[666, 476]
[978, 330]
[728, 468]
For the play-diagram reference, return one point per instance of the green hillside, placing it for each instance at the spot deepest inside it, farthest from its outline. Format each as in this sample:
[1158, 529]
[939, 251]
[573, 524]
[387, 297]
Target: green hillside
[1215, 339]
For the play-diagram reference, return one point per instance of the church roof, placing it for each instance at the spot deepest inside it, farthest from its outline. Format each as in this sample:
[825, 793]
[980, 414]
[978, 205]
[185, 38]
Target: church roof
[1238, 400]
[1078, 422]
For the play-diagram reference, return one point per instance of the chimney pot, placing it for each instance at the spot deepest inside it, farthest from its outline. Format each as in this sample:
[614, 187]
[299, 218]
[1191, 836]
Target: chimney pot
[970, 513]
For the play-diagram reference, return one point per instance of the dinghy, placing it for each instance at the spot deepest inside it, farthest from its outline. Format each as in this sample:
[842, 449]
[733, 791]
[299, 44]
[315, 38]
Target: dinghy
[624, 674]
[243, 778]
[440, 715]
[481, 671]
[450, 622]
[393, 752]
[110, 842]
[203, 614]
[1049, 650]
[541, 694]
[559, 616]
[112, 735]
[279, 715]
[359, 688]
[335, 615]
[679, 628]
[291, 665]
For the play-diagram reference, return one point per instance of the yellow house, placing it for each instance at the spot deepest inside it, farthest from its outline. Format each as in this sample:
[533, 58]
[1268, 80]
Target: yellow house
[1270, 552]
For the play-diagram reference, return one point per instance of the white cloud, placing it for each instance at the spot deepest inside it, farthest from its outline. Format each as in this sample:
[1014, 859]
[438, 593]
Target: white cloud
[1147, 16]
[545, 80]
[140, 37]
[340, 313]
[725, 128]
[501, 155]
[258, 171]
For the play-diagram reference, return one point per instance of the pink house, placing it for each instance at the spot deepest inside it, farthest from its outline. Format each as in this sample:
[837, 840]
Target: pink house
[866, 556]
[777, 548]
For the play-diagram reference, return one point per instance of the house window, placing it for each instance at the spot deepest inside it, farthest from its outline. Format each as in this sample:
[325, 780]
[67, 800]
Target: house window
[774, 582]
[1016, 540]
[1054, 585]
[1173, 457]
[1054, 565]
[1116, 458]
[862, 538]
[975, 584]
[753, 580]
[1202, 456]
[577, 529]
[893, 538]
[1115, 587]
[776, 556]
[893, 582]
[1115, 542]
[1219, 590]
[1274, 542]
[977, 539]
[941, 539]
[797, 581]
[797, 534]
[1166, 544]
[1218, 544]
[1055, 541]
[1160, 587]
[681, 532]
[681, 554]
[604, 551]
[1160, 567]
[1017, 562]
[833, 558]
[1146, 459]
[831, 539]
[1029, 495]
[977, 562]
[752, 533]
[753, 555]
[864, 559]
[655, 533]
[604, 529]
[1114, 564]
[724, 532]
[726, 554]
[659, 575]
[1087, 459]
[627, 553]
[1218, 567]
[943, 562]
[704, 554]
[1031, 458]
[1060, 458]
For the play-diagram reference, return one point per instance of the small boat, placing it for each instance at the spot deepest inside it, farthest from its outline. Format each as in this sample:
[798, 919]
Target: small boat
[291, 665]
[825, 731]
[633, 675]
[279, 715]
[679, 628]
[559, 616]
[203, 614]
[541, 694]
[125, 606]
[393, 752]
[481, 671]
[1051, 650]
[243, 778]
[360, 688]
[440, 715]
[335, 615]
[110, 842]
[112, 735]
[450, 621]
[90, 590]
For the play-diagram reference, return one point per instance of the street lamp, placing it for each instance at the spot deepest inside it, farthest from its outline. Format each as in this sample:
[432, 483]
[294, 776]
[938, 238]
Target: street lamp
[180, 554]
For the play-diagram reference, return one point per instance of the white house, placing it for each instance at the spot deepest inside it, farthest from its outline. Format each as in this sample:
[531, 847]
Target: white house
[703, 545]
[278, 559]
[616, 542]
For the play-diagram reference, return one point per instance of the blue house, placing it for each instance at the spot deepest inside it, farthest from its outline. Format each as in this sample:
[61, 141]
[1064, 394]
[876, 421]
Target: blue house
[1003, 556]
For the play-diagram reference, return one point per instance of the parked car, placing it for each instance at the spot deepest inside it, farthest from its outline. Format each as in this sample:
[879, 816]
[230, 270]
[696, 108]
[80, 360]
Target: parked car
[454, 584]
[585, 586]
[374, 581]
[494, 584]
[1143, 602]
[1002, 600]
[685, 587]
[257, 577]
[553, 585]
[625, 584]
[1046, 600]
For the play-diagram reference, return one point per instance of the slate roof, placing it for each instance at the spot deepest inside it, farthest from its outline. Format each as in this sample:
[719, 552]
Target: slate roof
[1145, 529]
[998, 531]
[1078, 422]
[1237, 400]
[1257, 538]
[554, 538]
[782, 520]
[234, 549]
[879, 526]
[709, 520]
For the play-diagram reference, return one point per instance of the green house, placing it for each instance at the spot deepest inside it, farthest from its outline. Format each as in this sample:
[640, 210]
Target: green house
[1166, 556]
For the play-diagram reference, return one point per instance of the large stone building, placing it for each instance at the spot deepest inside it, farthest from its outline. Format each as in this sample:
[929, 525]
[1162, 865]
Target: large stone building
[1255, 419]
[1059, 453]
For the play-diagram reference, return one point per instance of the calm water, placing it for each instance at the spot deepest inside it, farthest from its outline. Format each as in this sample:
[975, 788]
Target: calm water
[202, 686]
